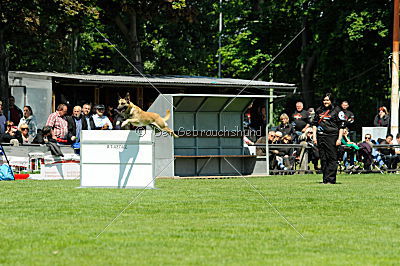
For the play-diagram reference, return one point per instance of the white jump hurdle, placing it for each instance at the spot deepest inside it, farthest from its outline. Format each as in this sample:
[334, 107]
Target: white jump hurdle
[117, 159]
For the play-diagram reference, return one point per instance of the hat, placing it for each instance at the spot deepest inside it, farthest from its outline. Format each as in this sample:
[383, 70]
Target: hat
[99, 106]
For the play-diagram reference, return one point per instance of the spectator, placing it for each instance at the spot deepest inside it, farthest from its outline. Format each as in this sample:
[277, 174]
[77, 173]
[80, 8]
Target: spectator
[365, 152]
[86, 111]
[259, 120]
[284, 126]
[388, 153]
[284, 155]
[75, 125]
[382, 119]
[100, 120]
[348, 152]
[59, 124]
[110, 113]
[43, 136]
[313, 152]
[345, 114]
[14, 113]
[26, 138]
[300, 119]
[311, 111]
[30, 120]
[11, 134]
[3, 119]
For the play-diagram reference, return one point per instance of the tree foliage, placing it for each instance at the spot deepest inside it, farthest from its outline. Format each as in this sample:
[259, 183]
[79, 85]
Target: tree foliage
[344, 46]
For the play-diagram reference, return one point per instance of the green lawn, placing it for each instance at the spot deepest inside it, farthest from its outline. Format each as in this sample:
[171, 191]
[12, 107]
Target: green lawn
[216, 221]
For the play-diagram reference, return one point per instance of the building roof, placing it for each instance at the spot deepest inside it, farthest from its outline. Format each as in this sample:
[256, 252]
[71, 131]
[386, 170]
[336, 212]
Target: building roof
[172, 80]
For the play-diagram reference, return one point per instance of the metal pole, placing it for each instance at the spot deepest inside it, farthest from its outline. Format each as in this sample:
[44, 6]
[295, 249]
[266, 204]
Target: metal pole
[8, 162]
[220, 39]
[394, 103]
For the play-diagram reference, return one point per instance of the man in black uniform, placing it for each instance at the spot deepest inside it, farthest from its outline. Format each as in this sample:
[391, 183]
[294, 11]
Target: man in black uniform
[346, 115]
[300, 119]
[328, 131]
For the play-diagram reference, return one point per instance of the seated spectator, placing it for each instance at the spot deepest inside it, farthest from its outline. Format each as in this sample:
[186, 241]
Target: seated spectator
[382, 119]
[26, 138]
[284, 155]
[348, 151]
[285, 127]
[59, 124]
[100, 120]
[11, 135]
[312, 151]
[364, 154]
[3, 119]
[30, 120]
[46, 136]
[388, 153]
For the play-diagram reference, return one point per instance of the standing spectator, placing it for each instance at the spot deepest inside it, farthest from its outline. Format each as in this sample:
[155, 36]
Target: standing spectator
[327, 134]
[100, 120]
[346, 115]
[284, 126]
[14, 113]
[86, 110]
[382, 119]
[58, 123]
[300, 119]
[3, 119]
[30, 120]
[26, 138]
[76, 123]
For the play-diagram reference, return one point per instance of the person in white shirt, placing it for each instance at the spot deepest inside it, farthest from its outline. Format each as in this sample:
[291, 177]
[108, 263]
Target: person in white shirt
[100, 120]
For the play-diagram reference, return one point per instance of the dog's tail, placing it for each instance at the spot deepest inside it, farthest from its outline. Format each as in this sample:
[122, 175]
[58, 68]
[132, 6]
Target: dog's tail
[168, 115]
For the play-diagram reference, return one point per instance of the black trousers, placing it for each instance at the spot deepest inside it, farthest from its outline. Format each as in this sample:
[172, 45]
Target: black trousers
[328, 153]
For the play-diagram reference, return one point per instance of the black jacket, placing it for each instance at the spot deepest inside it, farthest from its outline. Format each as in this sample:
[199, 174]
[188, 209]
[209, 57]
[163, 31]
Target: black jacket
[348, 116]
[286, 129]
[382, 122]
[92, 126]
[327, 120]
[72, 126]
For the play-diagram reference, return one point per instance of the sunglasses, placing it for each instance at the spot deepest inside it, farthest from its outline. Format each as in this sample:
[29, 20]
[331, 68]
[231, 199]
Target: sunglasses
[367, 138]
[24, 128]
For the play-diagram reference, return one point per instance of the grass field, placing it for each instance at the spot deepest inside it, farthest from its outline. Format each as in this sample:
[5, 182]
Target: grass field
[205, 222]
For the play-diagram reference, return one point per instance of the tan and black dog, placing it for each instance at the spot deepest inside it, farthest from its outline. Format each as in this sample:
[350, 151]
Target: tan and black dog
[137, 117]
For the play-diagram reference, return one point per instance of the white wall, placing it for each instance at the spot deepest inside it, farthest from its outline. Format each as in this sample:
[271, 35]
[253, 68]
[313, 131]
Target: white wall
[38, 95]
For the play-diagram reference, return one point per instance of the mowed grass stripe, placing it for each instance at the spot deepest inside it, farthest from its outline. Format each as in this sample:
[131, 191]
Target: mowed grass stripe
[203, 222]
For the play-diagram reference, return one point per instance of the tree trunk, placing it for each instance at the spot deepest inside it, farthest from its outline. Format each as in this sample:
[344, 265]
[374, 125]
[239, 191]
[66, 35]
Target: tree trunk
[74, 50]
[4, 64]
[307, 66]
[130, 34]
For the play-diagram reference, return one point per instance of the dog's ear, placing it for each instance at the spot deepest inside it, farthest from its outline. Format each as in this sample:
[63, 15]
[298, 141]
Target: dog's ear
[128, 97]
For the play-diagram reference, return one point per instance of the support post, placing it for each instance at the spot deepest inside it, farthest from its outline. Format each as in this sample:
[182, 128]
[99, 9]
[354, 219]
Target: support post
[394, 103]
